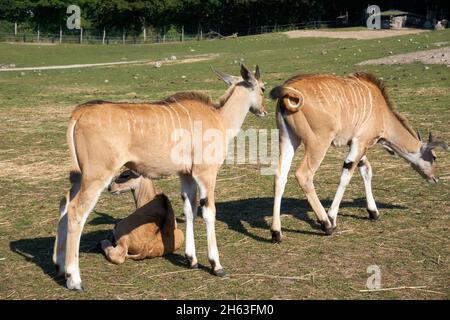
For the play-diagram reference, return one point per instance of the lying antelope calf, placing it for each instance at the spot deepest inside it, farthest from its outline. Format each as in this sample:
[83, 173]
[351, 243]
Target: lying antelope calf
[150, 231]
[325, 110]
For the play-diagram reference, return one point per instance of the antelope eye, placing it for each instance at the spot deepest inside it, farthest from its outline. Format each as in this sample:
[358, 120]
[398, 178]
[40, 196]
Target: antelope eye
[263, 89]
[434, 158]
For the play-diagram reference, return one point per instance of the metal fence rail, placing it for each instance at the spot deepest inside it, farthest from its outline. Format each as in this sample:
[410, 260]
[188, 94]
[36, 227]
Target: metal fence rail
[96, 37]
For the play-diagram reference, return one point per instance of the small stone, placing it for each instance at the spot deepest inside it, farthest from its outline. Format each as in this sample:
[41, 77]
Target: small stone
[157, 64]
[173, 58]
[106, 81]
[183, 77]
[22, 74]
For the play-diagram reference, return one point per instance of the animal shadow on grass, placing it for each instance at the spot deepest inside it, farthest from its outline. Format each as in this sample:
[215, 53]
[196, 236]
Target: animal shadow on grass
[40, 250]
[255, 210]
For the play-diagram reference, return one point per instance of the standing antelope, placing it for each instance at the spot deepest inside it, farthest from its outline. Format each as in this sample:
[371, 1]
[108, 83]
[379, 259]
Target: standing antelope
[324, 110]
[150, 231]
[104, 136]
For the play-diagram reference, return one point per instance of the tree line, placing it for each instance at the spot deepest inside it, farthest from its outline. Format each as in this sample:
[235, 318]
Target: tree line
[225, 16]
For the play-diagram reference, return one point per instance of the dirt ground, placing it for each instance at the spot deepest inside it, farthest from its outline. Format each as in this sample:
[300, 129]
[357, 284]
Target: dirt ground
[434, 56]
[359, 35]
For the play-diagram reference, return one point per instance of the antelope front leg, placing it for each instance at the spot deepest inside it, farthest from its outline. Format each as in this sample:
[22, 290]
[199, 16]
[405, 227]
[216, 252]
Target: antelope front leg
[188, 194]
[348, 169]
[77, 214]
[365, 169]
[207, 203]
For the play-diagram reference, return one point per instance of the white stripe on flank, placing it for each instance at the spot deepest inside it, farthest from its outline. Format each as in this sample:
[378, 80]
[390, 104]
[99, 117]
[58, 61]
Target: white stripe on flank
[359, 103]
[370, 102]
[157, 118]
[178, 118]
[170, 114]
[188, 114]
[160, 107]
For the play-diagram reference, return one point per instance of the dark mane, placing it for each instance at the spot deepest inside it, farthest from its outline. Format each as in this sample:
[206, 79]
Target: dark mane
[377, 82]
[191, 95]
[94, 102]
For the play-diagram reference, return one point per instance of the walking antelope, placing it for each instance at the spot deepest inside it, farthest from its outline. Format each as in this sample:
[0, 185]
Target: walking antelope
[104, 136]
[150, 231]
[324, 110]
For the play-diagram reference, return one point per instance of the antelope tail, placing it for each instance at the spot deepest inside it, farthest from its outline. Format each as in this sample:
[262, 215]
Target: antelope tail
[71, 143]
[291, 98]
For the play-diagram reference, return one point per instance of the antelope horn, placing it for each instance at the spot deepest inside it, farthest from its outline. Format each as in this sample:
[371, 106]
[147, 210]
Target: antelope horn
[430, 137]
[418, 135]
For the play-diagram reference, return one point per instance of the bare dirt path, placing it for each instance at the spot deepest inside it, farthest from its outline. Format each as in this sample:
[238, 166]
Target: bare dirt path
[358, 34]
[191, 59]
[433, 56]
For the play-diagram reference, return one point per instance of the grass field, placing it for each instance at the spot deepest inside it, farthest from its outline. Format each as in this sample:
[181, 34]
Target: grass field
[410, 243]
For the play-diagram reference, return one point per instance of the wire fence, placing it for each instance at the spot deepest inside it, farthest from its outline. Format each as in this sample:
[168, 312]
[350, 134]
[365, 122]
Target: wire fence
[83, 36]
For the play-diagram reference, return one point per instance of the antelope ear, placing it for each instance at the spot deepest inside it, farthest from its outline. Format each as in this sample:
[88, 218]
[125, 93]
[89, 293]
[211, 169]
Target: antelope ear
[247, 75]
[419, 136]
[257, 73]
[437, 144]
[228, 79]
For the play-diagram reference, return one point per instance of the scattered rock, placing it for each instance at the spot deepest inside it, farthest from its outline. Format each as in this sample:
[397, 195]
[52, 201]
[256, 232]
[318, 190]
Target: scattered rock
[173, 58]
[157, 64]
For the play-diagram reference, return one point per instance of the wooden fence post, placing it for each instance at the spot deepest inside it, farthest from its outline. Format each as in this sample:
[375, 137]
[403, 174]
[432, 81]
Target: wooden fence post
[104, 36]
[81, 35]
[182, 33]
[60, 35]
[123, 36]
[15, 29]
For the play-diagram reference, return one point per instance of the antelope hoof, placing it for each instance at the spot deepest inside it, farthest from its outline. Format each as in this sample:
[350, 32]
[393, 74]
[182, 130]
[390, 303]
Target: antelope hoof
[373, 214]
[73, 285]
[192, 264]
[327, 227]
[220, 273]
[276, 236]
